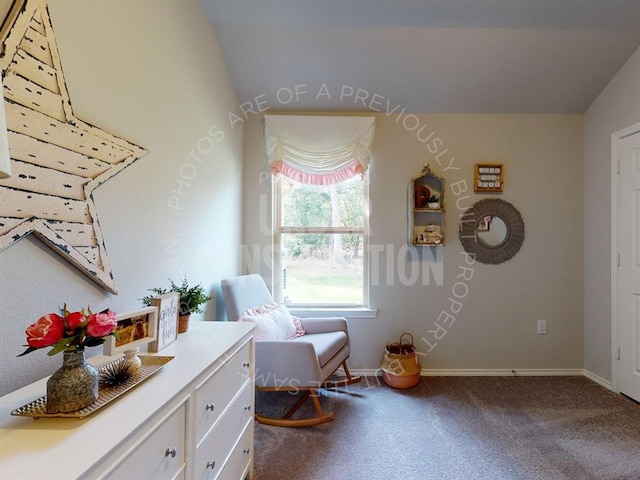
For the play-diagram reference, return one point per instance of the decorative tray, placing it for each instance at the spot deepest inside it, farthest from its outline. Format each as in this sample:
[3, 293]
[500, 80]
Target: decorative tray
[150, 365]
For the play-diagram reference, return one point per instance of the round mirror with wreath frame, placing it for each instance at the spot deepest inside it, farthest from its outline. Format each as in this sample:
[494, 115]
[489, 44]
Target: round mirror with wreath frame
[482, 251]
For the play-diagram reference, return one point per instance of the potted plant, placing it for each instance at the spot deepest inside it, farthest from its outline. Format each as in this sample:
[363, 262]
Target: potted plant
[433, 203]
[191, 300]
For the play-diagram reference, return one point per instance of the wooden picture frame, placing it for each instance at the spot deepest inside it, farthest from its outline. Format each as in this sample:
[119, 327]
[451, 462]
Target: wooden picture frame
[134, 329]
[488, 178]
[168, 306]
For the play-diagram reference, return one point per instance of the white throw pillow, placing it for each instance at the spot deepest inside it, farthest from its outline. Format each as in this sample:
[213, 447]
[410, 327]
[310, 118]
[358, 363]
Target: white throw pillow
[274, 322]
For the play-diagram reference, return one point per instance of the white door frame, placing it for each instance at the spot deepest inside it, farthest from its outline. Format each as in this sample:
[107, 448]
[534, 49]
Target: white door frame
[616, 139]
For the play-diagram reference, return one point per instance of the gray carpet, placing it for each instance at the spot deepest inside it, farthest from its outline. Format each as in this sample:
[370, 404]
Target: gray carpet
[463, 428]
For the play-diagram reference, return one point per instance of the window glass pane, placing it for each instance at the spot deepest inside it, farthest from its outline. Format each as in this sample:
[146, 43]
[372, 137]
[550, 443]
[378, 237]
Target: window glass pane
[322, 268]
[337, 205]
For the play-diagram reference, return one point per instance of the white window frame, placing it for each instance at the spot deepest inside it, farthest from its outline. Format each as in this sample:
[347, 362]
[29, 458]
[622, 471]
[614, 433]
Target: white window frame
[279, 230]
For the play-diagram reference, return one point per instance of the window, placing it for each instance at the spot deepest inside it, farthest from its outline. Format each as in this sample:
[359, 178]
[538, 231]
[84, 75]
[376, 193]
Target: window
[320, 202]
[320, 243]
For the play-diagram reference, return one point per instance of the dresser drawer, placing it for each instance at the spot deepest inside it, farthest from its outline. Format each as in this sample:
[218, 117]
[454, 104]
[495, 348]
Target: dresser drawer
[216, 447]
[160, 454]
[216, 392]
[236, 466]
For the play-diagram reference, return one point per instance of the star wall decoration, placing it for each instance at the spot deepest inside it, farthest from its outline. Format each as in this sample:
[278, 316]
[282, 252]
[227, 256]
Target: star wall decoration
[57, 160]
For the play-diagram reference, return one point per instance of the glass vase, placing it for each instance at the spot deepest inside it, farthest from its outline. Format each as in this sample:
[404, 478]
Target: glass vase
[73, 386]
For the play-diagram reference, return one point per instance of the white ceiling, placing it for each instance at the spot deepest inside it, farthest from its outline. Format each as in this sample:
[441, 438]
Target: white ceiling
[504, 56]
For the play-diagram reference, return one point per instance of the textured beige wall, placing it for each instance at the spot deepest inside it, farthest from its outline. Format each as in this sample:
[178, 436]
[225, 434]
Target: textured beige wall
[500, 304]
[149, 71]
[617, 107]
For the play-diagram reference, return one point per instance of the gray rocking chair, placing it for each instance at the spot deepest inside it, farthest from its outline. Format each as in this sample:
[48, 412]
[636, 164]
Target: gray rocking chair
[303, 363]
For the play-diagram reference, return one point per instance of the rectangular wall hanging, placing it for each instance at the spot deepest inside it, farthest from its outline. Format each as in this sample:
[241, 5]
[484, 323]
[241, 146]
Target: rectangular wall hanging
[488, 177]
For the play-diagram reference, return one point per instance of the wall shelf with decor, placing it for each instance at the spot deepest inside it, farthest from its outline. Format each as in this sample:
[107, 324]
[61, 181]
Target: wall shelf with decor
[427, 209]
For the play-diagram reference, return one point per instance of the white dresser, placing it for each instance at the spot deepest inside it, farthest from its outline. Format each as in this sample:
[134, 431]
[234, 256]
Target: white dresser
[191, 420]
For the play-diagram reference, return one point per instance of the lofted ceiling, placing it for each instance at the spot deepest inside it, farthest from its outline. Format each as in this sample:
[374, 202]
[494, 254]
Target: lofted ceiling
[436, 56]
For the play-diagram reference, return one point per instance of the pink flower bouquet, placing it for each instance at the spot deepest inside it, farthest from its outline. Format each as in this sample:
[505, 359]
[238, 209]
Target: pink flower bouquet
[70, 331]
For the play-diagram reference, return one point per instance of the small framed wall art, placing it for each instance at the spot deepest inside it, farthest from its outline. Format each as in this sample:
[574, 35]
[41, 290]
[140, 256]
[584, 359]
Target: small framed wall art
[134, 329]
[488, 177]
[168, 306]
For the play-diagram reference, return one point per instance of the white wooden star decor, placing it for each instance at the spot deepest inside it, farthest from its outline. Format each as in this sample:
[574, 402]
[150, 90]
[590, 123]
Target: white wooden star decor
[57, 160]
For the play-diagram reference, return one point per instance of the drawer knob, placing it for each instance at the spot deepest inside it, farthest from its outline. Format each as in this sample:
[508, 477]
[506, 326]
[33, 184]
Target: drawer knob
[246, 364]
[246, 451]
[211, 465]
[209, 406]
[247, 407]
[173, 451]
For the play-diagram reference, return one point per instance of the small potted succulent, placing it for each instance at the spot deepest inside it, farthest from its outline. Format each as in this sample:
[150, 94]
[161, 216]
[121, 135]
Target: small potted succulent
[191, 300]
[433, 202]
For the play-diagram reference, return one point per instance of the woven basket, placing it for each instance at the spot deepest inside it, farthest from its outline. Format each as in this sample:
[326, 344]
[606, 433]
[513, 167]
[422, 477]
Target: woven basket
[400, 364]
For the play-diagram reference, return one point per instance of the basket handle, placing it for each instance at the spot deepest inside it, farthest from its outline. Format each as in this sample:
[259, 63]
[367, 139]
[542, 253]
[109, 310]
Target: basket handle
[406, 333]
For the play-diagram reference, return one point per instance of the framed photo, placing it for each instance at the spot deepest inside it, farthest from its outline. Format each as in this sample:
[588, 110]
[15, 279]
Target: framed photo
[134, 329]
[168, 306]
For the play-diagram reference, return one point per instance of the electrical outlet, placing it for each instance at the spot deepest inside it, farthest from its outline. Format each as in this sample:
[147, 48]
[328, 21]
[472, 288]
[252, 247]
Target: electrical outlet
[542, 327]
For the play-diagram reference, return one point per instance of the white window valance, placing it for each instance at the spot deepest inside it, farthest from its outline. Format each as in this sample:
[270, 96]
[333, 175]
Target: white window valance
[318, 150]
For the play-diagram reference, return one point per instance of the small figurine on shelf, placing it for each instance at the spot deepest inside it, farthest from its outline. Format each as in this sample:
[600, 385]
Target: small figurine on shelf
[433, 203]
[432, 235]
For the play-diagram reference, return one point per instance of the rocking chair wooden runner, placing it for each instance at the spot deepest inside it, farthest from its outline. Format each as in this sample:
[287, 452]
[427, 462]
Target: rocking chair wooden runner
[301, 364]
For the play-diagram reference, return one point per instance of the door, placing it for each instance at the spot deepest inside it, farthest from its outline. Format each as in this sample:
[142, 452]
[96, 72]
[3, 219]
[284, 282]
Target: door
[629, 267]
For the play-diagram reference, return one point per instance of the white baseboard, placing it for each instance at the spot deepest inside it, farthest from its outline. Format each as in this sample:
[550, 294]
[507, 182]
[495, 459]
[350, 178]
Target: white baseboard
[598, 380]
[477, 372]
[499, 372]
